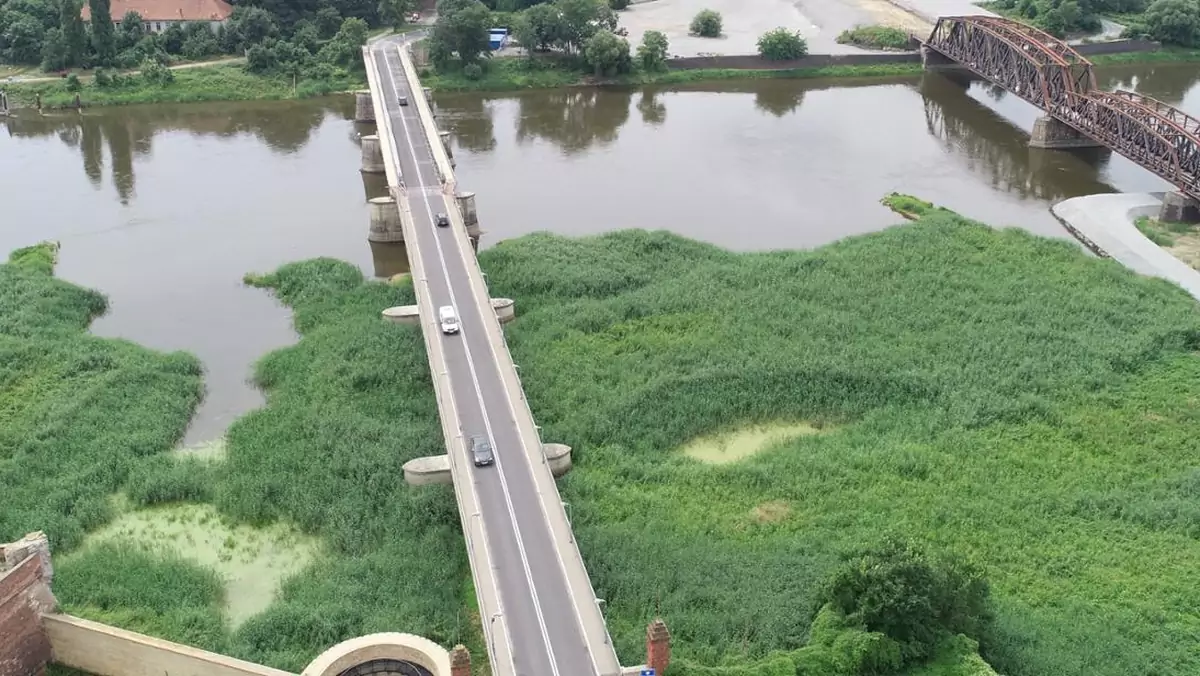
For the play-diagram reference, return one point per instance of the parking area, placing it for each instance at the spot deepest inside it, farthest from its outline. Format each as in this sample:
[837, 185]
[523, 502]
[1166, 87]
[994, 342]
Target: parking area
[819, 21]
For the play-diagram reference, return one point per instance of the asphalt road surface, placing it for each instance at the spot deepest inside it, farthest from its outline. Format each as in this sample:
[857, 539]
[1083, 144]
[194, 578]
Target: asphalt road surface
[543, 623]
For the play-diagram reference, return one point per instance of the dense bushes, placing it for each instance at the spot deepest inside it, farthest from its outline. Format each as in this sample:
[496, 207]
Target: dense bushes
[706, 24]
[781, 44]
[875, 37]
[1171, 21]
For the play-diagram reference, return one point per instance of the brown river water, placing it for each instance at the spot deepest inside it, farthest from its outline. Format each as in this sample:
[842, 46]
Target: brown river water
[164, 208]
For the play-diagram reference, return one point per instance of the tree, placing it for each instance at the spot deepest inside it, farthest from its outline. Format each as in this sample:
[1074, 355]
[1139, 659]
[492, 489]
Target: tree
[23, 39]
[914, 599]
[54, 50]
[345, 48]
[581, 19]
[74, 34]
[200, 44]
[157, 74]
[707, 24]
[253, 25]
[328, 21]
[463, 31]
[131, 30]
[1174, 21]
[780, 44]
[103, 39]
[173, 37]
[652, 53]
[306, 36]
[395, 13]
[618, 4]
[539, 28]
[607, 53]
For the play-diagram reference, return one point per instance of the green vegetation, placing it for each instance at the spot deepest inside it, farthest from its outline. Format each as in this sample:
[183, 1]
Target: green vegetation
[509, 74]
[79, 412]
[1162, 233]
[706, 24]
[1173, 22]
[986, 400]
[216, 83]
[780, 44]
[875, 37]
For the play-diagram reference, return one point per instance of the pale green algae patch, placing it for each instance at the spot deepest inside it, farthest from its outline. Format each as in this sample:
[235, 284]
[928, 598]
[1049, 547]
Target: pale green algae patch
[205, 450]
[738, 444]
[252, 562]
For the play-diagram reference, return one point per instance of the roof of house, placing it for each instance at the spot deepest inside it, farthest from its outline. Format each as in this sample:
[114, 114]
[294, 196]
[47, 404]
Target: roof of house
[169, 10]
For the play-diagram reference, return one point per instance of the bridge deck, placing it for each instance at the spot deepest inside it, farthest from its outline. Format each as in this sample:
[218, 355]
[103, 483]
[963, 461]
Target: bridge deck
[538, 609]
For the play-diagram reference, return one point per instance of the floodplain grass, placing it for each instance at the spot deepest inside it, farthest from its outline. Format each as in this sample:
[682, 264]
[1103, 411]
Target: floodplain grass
[213, 83]
[79, 412]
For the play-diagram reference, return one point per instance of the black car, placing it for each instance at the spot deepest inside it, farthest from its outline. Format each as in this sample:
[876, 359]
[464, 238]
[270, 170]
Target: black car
[443, 220]
[481, 451]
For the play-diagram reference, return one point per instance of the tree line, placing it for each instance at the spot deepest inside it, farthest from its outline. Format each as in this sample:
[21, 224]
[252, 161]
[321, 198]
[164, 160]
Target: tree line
[1170, 21]
[273, 34]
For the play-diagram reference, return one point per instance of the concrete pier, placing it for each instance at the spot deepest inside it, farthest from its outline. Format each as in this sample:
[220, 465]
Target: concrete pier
[390, 260]
[1052, 134]
[364, 109]
[375, 185]
[385, 221]
[372, 154]
[1179, 208]
[466, 206]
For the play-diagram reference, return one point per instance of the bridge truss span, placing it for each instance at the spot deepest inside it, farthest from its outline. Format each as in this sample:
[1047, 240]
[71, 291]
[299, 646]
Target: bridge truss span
[1051, 75]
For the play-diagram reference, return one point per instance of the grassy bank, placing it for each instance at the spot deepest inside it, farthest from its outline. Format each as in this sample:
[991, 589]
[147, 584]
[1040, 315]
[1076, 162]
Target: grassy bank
[514, 73]
[213, 83]
[987, 393]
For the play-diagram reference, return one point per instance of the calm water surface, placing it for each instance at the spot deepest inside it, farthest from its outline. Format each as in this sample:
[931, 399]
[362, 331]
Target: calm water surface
[165, 208]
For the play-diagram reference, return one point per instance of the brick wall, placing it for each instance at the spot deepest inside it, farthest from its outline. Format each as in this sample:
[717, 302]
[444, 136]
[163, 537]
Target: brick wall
[24, 596]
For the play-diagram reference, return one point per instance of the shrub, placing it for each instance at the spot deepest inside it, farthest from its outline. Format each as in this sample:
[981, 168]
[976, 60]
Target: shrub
[781, 44]
[73, 83]
[618, 4]
[652, 53]
[473, 71]
[608, 53]
[913, 599]
[157, 74]
[707, 24]
[875, 37]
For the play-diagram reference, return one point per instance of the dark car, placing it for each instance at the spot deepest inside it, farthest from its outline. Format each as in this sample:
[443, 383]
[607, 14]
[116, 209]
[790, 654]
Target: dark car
[481, 451]
[443, 220]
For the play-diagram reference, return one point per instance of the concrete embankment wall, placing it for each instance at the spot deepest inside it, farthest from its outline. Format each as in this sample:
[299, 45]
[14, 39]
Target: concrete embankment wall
[756, 62]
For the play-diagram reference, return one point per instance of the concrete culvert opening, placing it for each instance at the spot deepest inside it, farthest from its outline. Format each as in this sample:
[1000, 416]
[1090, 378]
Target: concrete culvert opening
[387, 667]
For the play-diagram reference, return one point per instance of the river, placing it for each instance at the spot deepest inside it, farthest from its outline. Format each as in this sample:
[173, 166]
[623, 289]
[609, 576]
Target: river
[165, 208]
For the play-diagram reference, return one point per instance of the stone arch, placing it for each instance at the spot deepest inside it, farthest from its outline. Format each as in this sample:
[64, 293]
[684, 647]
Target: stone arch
[386, 653]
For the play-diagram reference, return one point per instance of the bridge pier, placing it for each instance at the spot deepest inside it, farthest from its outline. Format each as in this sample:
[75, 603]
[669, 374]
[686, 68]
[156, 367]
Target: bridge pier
[390, 260]
[364, 108]
[385, 221]
[466, 206]
[1054, 134]
[435, 469]
[1179, 208]
[445, 136]
[372, 155]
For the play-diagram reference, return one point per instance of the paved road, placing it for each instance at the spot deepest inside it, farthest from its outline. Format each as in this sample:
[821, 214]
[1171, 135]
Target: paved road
[543, 623]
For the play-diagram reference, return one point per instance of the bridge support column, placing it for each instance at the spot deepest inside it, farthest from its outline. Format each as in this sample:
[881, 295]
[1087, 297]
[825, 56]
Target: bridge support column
[466, 206]
[460, 661]
[364, 109]
[385, 221]
[931, 58]
[390, 260]
[1179, 208]
[372, 154]
[1053, 134]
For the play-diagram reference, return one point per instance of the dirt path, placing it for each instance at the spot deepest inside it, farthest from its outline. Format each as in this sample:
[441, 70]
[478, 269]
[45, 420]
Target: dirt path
[84, 76]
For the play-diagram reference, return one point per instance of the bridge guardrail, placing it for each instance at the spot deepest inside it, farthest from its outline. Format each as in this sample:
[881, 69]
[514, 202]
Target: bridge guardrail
[499, 651]
[548, 496]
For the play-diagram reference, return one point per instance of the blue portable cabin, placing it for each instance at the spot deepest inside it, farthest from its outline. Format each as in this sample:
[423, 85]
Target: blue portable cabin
[497, 38]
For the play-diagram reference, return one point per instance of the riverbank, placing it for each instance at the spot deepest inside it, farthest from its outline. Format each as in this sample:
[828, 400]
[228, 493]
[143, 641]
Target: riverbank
[211, 83]
[517, 73]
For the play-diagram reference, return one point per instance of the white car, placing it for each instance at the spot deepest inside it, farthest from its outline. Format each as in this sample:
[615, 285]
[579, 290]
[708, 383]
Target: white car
[449, 319]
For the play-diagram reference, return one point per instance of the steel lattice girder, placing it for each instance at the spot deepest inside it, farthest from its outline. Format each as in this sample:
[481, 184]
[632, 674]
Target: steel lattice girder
[1081, 69]
[1134, 132]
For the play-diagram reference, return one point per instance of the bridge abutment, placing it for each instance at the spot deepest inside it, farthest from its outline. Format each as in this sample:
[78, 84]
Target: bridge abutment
[1179, 208]
[1053, 134]
[385, 221]
[372, 154]
[364, 108]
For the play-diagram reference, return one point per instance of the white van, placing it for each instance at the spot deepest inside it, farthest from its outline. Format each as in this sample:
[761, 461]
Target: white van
[449, 319]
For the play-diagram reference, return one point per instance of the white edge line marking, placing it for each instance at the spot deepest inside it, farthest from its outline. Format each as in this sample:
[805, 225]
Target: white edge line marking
[479, 394]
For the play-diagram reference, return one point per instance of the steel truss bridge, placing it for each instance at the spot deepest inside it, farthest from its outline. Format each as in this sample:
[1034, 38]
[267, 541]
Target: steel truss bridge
[1048, 73]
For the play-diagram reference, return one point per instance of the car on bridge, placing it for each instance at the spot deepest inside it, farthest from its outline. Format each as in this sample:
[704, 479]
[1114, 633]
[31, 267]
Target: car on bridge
[448, 319]
[442, 220]
[481, 451]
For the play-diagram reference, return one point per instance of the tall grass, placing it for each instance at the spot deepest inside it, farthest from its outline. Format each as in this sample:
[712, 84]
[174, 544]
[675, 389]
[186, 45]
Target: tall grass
[209, 83]
[78, 412]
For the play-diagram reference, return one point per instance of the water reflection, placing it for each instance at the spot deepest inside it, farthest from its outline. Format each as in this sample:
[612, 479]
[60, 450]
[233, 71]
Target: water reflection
[1174, 83]
[653, 111]
[997, 150]
[129, 132]
[573, 119]
[778, 101]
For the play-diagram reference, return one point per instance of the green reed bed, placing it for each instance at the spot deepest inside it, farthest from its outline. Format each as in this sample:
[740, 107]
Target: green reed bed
[79, 412]
[986, 392]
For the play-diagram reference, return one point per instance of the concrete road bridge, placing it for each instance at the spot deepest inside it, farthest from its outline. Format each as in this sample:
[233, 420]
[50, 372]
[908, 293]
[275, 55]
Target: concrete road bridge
[1053, 76]
[539, 612]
